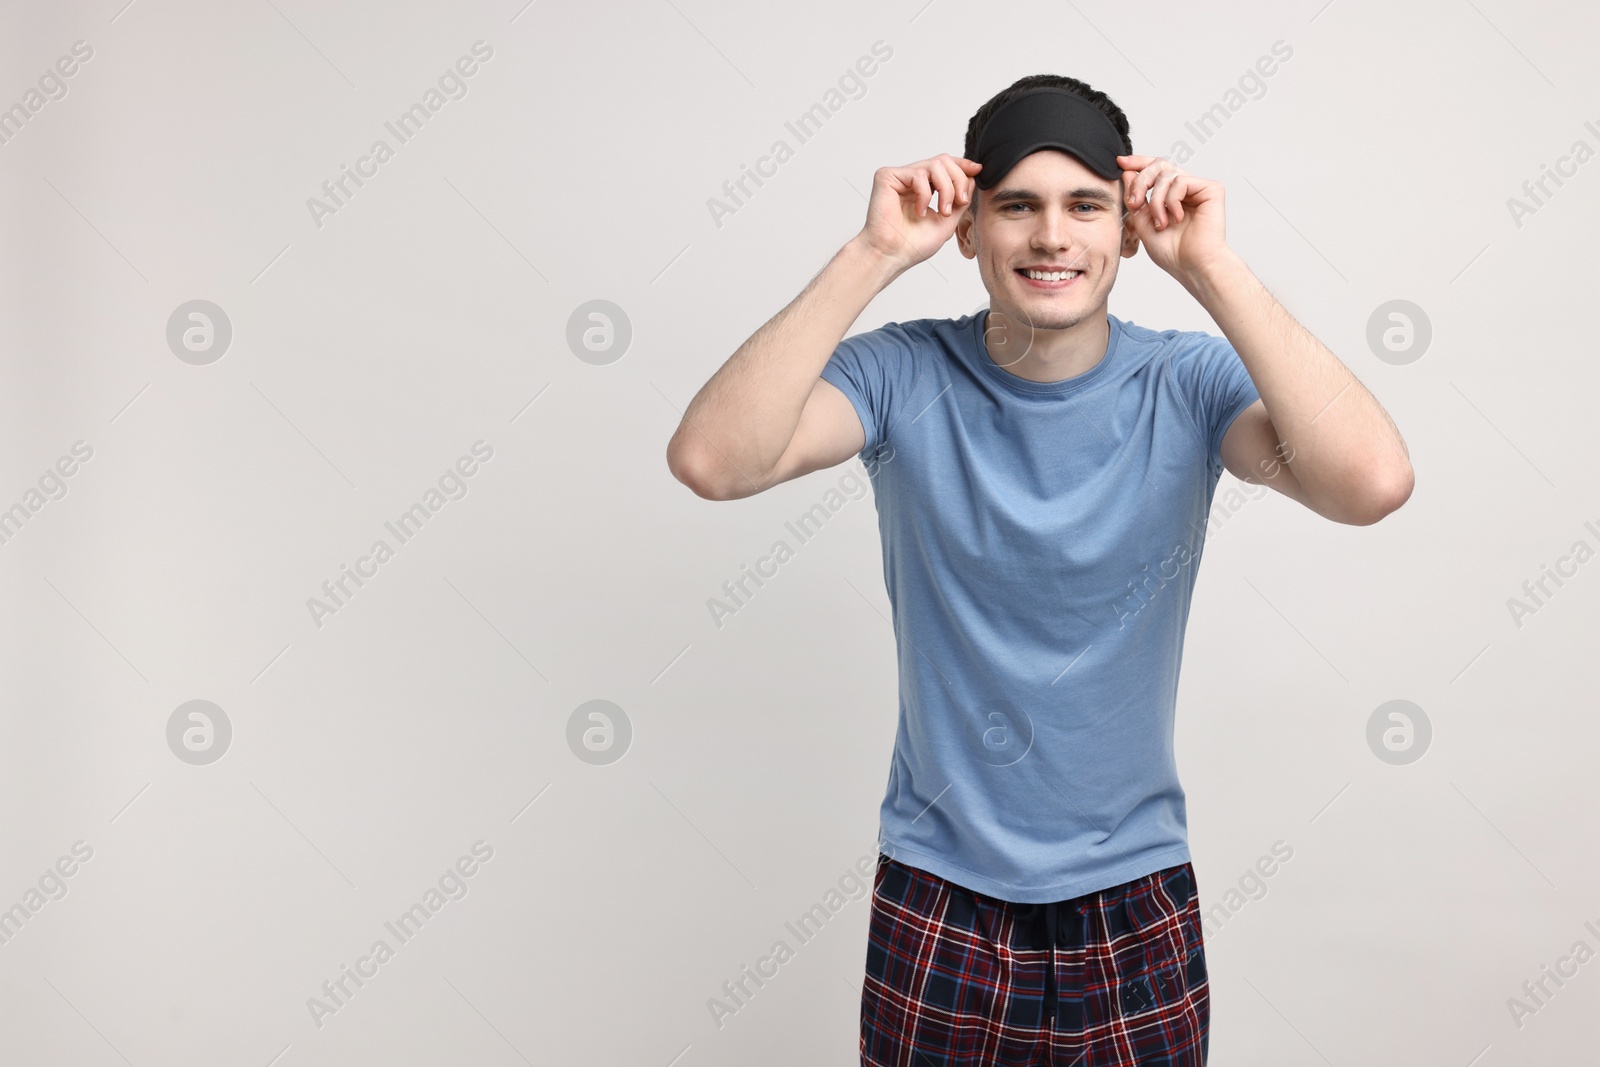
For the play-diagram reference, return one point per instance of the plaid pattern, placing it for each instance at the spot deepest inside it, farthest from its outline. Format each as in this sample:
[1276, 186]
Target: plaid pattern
[956, 978]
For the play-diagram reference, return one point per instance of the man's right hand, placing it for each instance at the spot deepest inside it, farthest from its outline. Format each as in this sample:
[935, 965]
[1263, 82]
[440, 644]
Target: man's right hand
[899, 225]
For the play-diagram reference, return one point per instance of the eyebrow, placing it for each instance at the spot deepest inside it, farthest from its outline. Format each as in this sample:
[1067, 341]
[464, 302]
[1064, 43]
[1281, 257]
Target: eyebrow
[1005, 196]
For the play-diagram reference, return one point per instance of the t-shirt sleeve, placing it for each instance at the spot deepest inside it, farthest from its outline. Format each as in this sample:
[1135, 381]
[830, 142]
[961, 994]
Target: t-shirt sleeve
[877, 371]
[1214, 384]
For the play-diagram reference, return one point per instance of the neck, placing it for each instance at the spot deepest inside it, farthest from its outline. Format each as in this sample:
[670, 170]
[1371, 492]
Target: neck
[1042, 354]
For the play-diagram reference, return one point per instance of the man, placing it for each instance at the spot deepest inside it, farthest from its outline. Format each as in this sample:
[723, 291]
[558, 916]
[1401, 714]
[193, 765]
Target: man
[1042, 472]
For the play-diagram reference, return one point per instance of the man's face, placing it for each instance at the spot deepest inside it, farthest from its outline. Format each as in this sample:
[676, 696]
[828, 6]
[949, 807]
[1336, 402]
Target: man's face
[1049, 211]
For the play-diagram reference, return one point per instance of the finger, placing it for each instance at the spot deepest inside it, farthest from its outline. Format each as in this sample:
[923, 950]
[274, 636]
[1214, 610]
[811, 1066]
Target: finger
[960, 182]
[1143, 224]
[1137, 162]
[897, 183]
[900, 180]
[1180, 186]
[876, 205]
[955, 171]
[903, 181]
[939, 175]
[885, 180]
[1142, 183]
[1158, 169]
[1180, 189]
[924, 191]
[1158, 204]
[1161, 197]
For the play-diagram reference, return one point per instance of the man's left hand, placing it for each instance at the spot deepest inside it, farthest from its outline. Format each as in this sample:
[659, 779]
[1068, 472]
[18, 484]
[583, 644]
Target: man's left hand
[1181, 224]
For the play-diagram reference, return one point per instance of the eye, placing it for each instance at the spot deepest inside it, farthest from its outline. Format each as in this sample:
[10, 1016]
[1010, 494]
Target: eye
[1008, 207]
[1091, 207]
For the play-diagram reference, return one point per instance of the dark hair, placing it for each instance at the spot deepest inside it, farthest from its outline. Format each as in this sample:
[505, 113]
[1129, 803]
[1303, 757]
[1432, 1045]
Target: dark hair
[1033, 81]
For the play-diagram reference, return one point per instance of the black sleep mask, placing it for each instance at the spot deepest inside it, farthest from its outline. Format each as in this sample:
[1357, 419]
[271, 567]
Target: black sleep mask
[1047, 117]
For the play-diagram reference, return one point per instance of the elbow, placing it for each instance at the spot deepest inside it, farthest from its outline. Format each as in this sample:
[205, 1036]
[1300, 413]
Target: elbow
[1388, 498]
[705, 490]
[1406, 482]
[691, 473]
[1397, 492]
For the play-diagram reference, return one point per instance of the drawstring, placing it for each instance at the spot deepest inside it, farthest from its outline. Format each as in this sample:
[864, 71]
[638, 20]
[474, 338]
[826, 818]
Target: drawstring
[1047, 911]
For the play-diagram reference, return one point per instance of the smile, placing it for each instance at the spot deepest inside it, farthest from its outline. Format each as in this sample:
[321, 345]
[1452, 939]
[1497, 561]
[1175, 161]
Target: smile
[1058, 279]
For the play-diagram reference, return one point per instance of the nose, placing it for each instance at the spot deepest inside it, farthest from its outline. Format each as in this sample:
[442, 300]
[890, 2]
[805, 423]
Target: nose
[1052, 231]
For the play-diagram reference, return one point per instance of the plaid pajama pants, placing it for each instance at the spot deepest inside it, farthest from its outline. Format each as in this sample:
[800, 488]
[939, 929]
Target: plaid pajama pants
[954, 978]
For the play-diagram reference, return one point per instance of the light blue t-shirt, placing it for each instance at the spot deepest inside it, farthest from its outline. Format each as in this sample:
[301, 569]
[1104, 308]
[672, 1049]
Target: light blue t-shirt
[1040, 545]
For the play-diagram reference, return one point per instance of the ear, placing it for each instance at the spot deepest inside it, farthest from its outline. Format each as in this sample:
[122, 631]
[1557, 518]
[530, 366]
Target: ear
[966, 237]
[1130, 238]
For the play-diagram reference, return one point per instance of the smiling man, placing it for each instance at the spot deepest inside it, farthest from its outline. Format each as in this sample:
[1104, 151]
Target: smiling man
[1042, 522]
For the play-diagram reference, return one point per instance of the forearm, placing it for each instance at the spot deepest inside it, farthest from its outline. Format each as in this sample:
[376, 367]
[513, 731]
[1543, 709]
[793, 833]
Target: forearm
[739, 423]
[1346, 452]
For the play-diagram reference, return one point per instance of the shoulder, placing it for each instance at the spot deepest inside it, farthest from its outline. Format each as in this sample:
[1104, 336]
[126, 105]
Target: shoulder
[923, 332]
[1170, 345]
[910, 342]
[1196, 361]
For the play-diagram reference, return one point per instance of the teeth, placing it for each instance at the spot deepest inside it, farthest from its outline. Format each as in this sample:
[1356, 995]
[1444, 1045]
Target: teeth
[1051, 276]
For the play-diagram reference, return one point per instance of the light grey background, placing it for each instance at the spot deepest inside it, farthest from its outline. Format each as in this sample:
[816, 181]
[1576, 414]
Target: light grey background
[432, 710]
